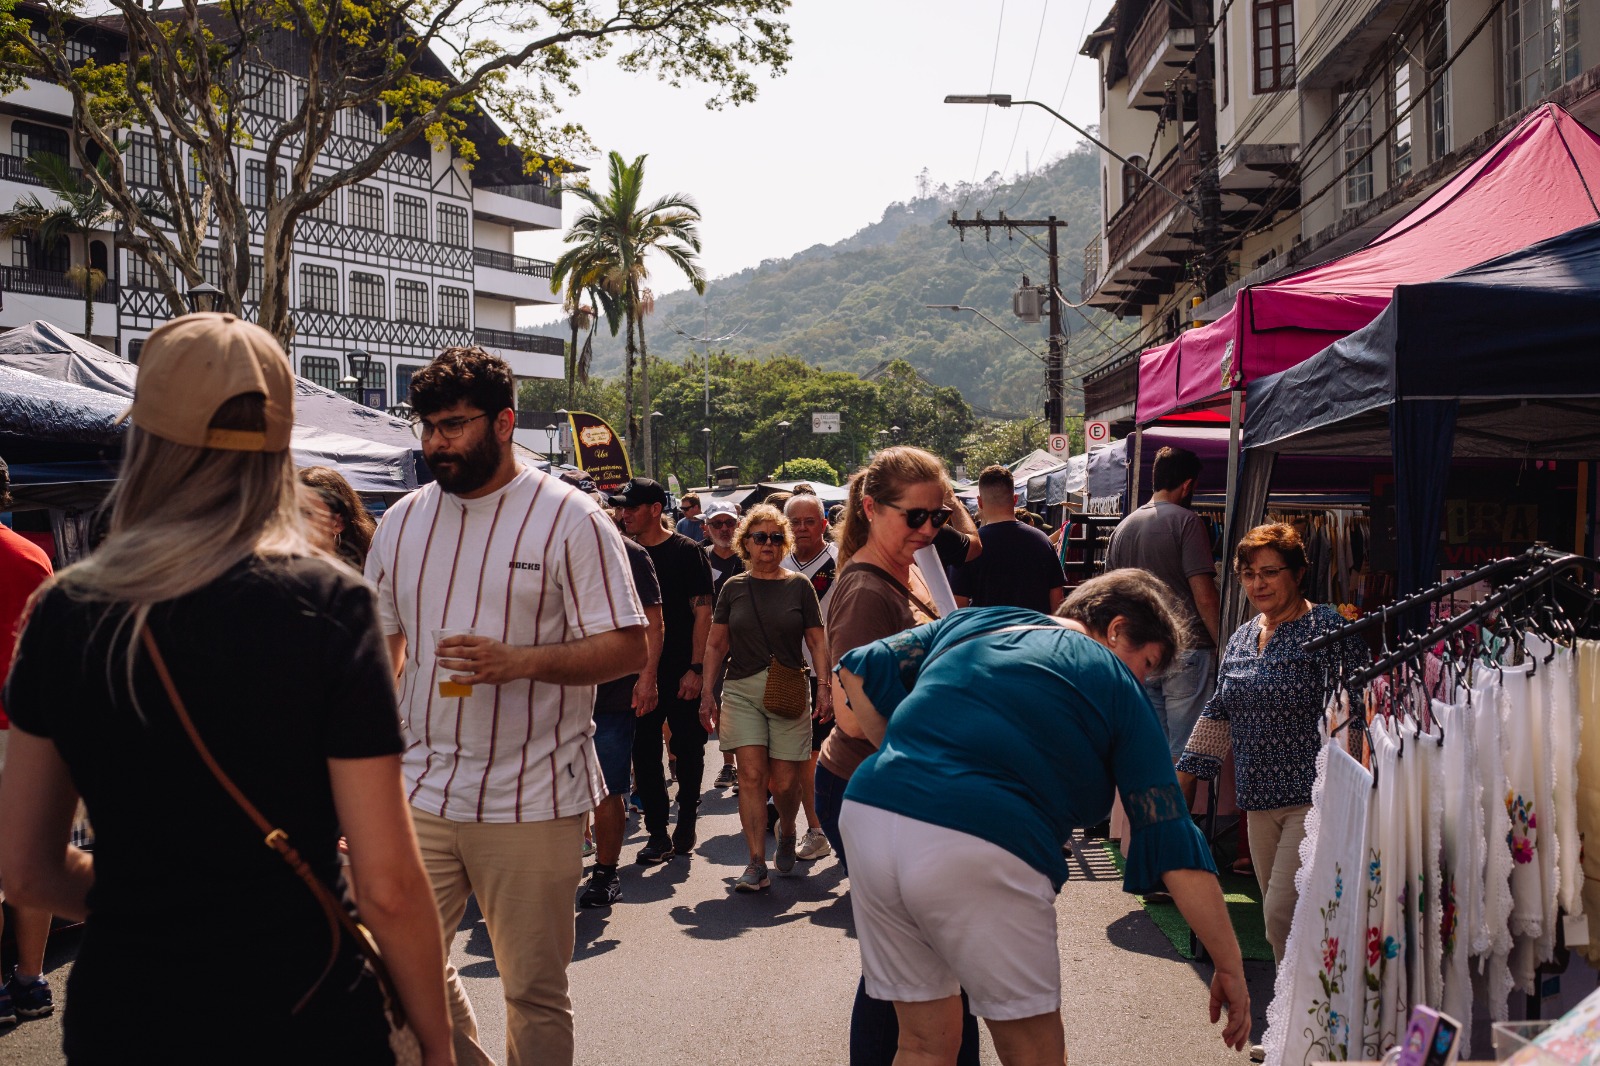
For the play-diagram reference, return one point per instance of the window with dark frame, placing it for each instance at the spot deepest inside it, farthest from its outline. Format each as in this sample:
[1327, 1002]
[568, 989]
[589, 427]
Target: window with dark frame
[402, 379]
[255, 182]
[211, 266]
[411, 216]
[319, 288]
[262, 90]
[1435, 60]
[366, 207]
[142, 166]
[320, 370]
[27, 252]
[252, 291]
[1131, 178]
[454, 308]
[327, 210]
[135, 347]
[1274, 45]
[411, 301]
[453, 225]
[366, 295]
[375, 385]
[29, 139]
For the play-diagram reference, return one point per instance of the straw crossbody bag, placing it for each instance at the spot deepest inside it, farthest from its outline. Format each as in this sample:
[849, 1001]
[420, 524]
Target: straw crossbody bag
[402, 1041]
[788, 691]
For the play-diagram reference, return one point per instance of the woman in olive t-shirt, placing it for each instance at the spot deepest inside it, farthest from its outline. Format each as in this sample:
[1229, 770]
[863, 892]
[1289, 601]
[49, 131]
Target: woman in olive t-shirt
[762, 617]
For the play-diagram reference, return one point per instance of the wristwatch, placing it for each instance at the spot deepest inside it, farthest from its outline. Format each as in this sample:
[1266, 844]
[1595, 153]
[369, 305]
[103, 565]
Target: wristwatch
[697, 667]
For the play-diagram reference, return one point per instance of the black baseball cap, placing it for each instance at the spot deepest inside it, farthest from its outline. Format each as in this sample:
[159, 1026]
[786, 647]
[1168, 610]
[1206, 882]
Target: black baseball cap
[640, 492]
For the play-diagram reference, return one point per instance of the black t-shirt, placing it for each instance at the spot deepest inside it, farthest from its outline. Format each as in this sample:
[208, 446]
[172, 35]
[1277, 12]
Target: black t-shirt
[682, 571]
[282, 666]
[722, 569]
[1018, 568]
[644, 582]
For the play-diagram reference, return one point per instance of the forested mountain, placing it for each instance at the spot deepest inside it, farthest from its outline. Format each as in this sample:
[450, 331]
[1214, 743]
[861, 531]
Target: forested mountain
[858, 304]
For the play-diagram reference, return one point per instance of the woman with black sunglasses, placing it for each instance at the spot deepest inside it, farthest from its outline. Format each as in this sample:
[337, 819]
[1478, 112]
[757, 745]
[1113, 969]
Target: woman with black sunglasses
[900, 504]
[762, 617]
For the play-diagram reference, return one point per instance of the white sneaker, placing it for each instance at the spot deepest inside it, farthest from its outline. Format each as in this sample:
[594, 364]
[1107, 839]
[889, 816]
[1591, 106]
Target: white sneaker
[814, 845]
[1258, 1053]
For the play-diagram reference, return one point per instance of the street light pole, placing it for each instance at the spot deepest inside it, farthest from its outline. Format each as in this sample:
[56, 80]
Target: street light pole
[783, 453]
[655, 444]
[707, 431]
[992, 322]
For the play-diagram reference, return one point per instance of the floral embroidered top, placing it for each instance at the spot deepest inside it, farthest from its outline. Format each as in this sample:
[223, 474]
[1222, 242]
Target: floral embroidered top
[1268, 706]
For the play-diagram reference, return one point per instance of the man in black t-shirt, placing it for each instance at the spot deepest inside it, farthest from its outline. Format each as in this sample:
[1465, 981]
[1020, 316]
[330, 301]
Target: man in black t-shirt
[686, 595]
[617, 706]
[1018, 567]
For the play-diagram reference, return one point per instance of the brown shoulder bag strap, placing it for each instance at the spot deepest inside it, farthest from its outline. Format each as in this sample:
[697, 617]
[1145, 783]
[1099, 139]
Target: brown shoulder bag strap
[278, 840]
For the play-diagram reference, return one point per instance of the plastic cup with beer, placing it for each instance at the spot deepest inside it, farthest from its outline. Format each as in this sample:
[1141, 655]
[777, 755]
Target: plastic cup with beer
[449, 689]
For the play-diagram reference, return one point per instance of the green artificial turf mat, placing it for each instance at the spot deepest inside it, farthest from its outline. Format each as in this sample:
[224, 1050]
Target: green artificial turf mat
[1243, 897]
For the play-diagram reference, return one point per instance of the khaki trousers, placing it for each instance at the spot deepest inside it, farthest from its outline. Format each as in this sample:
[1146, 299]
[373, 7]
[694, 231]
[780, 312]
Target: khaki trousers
[525, 875]
[1275, 838]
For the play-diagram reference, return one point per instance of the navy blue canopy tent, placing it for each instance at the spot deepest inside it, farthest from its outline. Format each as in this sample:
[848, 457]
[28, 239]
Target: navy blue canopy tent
[1501, 360]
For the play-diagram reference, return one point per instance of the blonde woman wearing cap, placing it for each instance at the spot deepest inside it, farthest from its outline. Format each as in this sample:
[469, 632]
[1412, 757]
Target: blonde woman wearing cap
[275, 654]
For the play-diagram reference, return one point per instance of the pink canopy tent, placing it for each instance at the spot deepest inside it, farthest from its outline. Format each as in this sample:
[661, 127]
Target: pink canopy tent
[1541, 179]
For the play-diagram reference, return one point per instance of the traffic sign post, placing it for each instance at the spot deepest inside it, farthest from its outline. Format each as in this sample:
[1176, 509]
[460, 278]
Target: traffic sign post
[1096, 434]
[825, 422]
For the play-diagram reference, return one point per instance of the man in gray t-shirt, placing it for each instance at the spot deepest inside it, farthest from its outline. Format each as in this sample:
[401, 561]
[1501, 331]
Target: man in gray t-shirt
[1168, 539]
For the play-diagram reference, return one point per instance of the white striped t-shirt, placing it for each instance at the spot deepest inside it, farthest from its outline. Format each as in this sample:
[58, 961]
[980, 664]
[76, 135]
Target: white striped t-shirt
[536, 562]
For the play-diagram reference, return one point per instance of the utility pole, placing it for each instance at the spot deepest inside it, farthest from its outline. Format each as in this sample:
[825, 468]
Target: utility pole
[1055, 389]
[1213, 264]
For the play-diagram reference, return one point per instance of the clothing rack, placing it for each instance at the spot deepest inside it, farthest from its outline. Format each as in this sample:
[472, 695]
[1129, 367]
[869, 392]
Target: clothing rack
[1537, 555]
[1543, 575]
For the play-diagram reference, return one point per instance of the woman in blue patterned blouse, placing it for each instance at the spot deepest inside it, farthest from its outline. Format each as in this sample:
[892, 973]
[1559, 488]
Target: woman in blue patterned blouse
[1268, 708]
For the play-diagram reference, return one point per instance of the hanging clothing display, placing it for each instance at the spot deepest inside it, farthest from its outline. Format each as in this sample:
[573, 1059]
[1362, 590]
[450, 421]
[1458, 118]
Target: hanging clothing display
[1318, 1004]
[1484, 777]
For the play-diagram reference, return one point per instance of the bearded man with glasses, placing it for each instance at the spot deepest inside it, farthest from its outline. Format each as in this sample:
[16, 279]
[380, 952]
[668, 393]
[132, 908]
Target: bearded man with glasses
[506, 596]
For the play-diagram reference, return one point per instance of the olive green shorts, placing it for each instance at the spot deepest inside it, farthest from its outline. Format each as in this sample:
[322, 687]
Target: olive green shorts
[746, 723]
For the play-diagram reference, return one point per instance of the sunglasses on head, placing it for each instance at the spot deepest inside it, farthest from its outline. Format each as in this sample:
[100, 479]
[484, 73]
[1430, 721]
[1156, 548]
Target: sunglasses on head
[764, 538]
[915, 516]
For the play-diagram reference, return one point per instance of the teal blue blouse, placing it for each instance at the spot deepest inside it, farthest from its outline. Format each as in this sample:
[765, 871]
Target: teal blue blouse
[1020, 738]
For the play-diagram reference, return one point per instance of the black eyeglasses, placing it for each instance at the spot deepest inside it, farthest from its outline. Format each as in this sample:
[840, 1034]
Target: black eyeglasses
[448, 428]
[915, 516]
[764, 538]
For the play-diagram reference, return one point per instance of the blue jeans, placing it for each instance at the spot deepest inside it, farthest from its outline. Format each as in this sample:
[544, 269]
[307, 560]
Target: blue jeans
[1180, 694]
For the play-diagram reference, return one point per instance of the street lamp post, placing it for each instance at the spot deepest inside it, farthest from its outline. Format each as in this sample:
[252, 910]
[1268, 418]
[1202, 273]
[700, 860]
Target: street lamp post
[354, 384]
[655, 444]
[706, 430]
[783, 461]
[896, 431]
[552, 440]
[204, 297]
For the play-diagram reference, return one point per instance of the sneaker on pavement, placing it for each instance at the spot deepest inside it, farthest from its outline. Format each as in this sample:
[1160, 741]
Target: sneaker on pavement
[814, 845]
[1258, 1053]
[728, 776]
[659, 849]
[754, 879]
[786, 855]
[32, 1000]
[8, 1012]
[602, 890]
[683, 841]
[634, 806]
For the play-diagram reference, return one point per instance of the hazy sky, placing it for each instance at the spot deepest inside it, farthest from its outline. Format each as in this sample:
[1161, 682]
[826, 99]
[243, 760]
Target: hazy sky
[826, 147]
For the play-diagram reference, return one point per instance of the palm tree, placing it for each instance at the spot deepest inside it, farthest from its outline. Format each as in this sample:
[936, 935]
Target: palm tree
[611, 237]
[79, 211]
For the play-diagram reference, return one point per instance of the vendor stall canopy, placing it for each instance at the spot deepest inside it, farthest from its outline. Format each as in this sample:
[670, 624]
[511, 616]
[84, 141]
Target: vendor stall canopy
[61, 401]
[1541, 179]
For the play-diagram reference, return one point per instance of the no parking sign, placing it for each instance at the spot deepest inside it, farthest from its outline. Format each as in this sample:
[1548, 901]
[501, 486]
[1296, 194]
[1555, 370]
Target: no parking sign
[1097, 433]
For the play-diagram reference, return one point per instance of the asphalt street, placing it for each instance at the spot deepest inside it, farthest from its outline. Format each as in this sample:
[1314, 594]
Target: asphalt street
[684, 972]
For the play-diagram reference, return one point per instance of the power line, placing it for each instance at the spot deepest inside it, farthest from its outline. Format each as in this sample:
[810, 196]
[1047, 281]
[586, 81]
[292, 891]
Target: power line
[983, 131]
[1038, 38]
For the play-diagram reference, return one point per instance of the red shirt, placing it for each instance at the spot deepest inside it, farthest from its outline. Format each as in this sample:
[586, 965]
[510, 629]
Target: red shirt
[23, 568]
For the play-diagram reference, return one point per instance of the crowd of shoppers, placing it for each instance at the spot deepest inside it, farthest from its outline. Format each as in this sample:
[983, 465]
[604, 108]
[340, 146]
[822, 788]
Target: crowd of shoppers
[520, 656]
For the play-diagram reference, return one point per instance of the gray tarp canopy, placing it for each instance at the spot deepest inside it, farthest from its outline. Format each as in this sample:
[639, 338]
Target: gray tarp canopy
[61, 399]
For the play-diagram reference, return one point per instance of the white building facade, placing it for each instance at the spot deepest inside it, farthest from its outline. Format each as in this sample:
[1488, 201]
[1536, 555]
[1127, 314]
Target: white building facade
[417, 258]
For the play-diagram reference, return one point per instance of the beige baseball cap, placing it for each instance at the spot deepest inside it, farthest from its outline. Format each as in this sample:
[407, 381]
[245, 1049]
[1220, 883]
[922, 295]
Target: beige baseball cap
[191, 366]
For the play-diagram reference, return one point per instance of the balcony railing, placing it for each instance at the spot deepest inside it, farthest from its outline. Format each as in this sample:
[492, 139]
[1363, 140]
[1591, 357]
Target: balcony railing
[1091, 268]
[15, 168]
[531, 191]
[520, 342]
[1149, 205]
[1159, 20]
[37, 282]
[519, 264]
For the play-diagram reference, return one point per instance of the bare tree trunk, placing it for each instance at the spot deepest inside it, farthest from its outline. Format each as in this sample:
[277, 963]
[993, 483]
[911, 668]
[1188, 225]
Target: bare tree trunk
[572, 361]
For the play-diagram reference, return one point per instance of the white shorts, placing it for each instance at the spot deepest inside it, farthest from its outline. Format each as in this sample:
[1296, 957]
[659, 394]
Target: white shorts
[937, 911]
